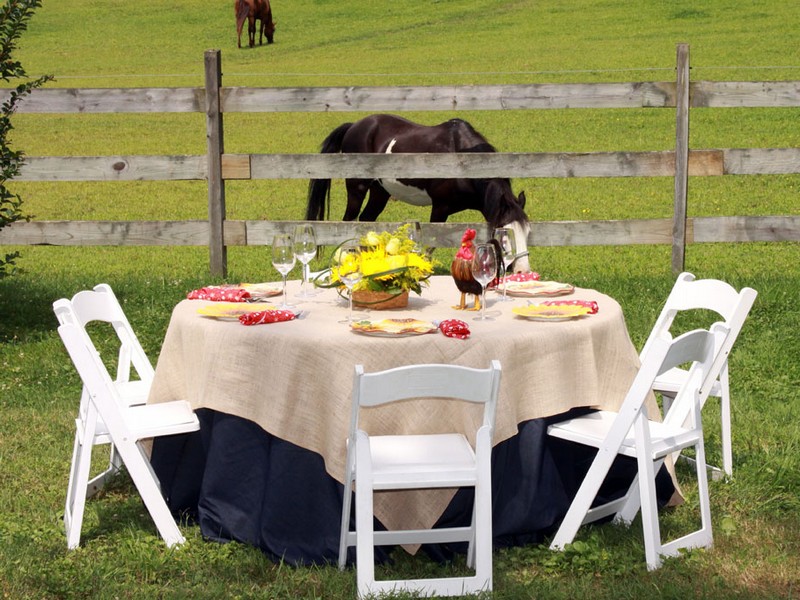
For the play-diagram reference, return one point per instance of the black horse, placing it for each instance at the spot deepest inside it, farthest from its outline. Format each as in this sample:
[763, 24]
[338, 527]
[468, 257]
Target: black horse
[389, 133]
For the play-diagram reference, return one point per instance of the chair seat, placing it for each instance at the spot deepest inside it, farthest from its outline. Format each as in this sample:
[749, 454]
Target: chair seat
[167, 418]
[440, 460]
[592, 429]
[133, 393]
[672, 380]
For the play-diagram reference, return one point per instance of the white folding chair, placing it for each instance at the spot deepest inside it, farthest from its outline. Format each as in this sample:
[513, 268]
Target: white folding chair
[124, 426]
[101, 305]
[400, 462]
[721, 298]
[630, 433]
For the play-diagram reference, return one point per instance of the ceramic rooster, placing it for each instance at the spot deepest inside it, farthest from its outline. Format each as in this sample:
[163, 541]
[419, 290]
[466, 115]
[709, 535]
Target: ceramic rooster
[461, 271]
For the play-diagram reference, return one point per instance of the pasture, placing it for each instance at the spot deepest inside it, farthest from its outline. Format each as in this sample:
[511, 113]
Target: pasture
[322, 42]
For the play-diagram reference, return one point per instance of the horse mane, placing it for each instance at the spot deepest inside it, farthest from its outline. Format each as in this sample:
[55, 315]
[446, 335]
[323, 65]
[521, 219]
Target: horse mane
[471, 140]
[500, 206]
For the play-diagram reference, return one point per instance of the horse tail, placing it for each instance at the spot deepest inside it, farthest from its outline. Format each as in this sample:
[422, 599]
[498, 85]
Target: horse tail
[319, 190]
[242, 11]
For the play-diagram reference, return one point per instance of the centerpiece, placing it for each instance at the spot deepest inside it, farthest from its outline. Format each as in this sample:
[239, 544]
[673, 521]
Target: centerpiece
[391, 267]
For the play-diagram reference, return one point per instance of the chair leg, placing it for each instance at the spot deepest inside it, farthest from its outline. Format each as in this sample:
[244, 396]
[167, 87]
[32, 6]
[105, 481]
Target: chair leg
[146, 482]
[365, 538]
[346, 504]
[630, 508]
[647, 494]
[582, 502]
[725, 417]
[77, 487]
[481, 542]
[706, 536]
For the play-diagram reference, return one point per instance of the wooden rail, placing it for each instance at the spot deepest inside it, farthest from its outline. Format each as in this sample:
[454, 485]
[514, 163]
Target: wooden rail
[217, 167]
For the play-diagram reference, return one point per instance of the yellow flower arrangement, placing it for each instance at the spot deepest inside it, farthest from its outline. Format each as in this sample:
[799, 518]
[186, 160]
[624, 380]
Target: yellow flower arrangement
[389, 263]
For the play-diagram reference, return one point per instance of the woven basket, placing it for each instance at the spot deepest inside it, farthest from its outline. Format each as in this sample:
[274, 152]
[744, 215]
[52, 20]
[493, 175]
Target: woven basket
[380, 300]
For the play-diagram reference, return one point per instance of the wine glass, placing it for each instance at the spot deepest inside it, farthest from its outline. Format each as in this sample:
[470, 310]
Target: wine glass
[348, 265]
[305, 249]
[283, 259]
[508, 246]
[484, 269]
[414, 233]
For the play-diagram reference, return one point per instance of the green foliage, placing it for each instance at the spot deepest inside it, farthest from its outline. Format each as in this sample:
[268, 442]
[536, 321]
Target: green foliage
[13, 22]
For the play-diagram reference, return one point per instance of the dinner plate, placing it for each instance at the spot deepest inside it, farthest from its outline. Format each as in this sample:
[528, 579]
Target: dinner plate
[394, 327]
[528, 289]
[230, 310]
[545, 312]
[261, 290]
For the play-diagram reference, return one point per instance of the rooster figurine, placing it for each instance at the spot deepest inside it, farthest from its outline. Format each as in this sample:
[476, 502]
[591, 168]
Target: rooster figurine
[461, 270]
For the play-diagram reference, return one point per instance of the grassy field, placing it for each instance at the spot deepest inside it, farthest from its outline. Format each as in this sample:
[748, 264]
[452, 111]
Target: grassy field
[321, 42]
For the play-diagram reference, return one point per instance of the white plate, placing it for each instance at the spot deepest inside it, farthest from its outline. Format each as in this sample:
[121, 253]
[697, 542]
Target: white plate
[530, 289]
[262, 290]
[558, 312]
[393, 327]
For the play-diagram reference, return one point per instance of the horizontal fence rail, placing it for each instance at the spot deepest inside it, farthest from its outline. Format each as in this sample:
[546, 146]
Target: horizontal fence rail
[704, 94]
[216, 166]
[440, 235]
[726, 161]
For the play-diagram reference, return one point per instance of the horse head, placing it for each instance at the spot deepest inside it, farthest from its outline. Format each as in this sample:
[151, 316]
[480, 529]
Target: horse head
[269, 31]
[267, 24]
[504, 209]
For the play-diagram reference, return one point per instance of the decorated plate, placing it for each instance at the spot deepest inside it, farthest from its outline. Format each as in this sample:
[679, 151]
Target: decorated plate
[544, 312]
[394, 327]
[262, 290]
[527, 289]
[230, 310]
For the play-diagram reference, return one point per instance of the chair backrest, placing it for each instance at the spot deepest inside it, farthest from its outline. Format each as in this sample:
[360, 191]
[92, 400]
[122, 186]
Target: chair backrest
[718, 296]
[97, 383]
[702, 373]
[100, 304]
[699, 347]
[427, 381]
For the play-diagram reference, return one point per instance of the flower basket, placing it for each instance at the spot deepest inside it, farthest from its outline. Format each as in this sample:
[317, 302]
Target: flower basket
[390, 265]
[380, 300]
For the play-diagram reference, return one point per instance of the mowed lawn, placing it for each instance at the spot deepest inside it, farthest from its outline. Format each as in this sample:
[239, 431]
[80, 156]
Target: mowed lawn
[326, 43]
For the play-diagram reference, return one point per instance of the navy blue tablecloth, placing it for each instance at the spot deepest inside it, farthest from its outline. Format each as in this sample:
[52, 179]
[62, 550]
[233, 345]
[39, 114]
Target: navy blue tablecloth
[239, 482]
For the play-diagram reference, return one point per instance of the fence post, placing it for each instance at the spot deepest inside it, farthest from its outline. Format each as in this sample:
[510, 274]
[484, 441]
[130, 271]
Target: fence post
[681, 160]
[218, 252]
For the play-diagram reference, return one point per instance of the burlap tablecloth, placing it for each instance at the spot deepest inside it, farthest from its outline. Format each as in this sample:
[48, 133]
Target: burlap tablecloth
[294, 379]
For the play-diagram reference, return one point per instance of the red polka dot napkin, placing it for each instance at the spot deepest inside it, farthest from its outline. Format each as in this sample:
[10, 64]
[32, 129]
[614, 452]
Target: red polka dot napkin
[219, 294]
[266, 316]
[454, 328]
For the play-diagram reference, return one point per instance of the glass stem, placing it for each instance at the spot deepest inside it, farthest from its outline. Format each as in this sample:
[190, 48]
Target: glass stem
[350, 311]
[483, 302]
[285, 301]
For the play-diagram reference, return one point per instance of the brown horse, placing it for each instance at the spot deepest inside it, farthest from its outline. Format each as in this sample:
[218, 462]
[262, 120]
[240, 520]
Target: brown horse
[254, 10]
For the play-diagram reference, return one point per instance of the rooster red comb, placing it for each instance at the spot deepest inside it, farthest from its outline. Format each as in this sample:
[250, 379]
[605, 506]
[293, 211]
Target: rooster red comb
[465, 252]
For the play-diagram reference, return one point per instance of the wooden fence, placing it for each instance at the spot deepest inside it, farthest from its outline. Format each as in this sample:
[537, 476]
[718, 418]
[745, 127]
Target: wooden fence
[217, 167]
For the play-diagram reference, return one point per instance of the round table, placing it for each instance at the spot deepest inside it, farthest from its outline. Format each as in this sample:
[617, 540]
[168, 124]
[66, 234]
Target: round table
[292, 380]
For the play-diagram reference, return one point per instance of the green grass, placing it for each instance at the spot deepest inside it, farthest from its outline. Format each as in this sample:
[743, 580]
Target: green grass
[322, 42]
